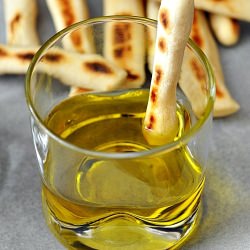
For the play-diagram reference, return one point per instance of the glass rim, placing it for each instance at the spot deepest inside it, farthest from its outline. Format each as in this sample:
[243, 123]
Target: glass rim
[155, 150]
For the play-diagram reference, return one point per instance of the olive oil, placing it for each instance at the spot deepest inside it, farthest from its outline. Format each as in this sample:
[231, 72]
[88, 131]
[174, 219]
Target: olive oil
[105, 202]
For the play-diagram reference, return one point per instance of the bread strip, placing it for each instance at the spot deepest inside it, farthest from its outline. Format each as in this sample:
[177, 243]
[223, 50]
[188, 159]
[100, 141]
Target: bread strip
[152, 9]
[192, 81]
[85, 71]
[15, 60]
[225, 29]
[66, 12]
[20, 20]
[238, 9]
[174, 25]
[124, 42]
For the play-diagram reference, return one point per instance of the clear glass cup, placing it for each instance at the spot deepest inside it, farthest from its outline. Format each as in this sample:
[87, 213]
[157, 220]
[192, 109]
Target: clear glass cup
[103, 186]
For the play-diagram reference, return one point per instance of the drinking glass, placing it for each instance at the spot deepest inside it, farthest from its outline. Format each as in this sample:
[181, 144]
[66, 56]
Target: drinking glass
[103, 185]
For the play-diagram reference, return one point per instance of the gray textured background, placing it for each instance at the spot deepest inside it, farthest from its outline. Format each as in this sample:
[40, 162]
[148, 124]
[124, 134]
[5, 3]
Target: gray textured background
[226, 219]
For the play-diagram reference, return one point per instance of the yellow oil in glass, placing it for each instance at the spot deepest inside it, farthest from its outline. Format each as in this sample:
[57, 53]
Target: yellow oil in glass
[102, 203]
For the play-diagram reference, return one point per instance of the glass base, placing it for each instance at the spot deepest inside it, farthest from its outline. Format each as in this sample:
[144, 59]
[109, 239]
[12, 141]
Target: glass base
[122, 233]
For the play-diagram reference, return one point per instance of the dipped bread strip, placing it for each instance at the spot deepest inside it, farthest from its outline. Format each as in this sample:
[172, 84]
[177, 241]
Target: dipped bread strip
[85, 71]
[152, 9]
[124, 41]
[238, 9]
[192, 79]
[20, 20]
[174, 25]
[194, 82]
[66, 12]
[225, 29]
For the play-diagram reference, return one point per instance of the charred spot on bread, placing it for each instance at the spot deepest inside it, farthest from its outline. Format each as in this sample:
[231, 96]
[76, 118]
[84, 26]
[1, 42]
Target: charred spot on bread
[151, 122]
[162, 44]
[3, 52]
[158, 75]
[53, 57]
[164, 18]
[197, 38]
[98, 67]
[219, 93]
[131, 76]
[236, 26]
[68, 14]
[197, 69]
[199, 74]
[25, 56]
[153, 95]
[14, 22]
[195, 33]
[122, 33]
[77, 40]
[121, 51]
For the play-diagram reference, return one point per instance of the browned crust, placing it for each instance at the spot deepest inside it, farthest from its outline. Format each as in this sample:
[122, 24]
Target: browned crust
[132, 76]
[15, 21]
[3, 52]
[122, 33]
[122, 51]
[158, 75]
[236, 26]
[98, 67]
[67, 11]
[195, 33]
[219, 93]
[53, 57]
[151, 122]
[162, 44]
[77, 40]
[197, 69]
[164, 19]
[153, 95]
[25, 56]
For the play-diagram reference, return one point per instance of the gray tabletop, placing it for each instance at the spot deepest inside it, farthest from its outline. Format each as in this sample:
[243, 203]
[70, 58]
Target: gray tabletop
[226, 215]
